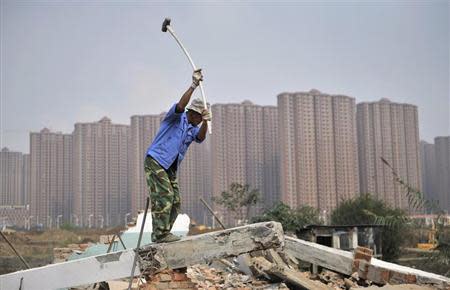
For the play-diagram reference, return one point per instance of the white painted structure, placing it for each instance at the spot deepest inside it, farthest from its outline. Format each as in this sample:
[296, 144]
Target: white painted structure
[78, 272]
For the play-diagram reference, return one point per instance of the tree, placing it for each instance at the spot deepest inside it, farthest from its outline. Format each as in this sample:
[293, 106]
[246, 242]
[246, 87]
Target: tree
[291, 219]
[238, 199]
[417, 201]
[366, 209]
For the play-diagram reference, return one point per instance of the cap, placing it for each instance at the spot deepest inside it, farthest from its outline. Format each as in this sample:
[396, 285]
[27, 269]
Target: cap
[197, 105]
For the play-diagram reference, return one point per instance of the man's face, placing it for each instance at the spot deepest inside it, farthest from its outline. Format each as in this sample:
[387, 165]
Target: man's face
[193, 117]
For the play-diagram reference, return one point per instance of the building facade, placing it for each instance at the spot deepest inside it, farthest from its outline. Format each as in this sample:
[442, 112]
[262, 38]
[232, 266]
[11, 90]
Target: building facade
[429, 171]
[11, 177]
[319, 161]
[14, 216]
[100, 173]
[50, 177]
[244, 149]
[391, 131]
[442, 147]
[26, 180]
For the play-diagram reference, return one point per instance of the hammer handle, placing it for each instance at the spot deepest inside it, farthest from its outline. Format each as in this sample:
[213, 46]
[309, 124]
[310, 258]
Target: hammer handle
[194, 68]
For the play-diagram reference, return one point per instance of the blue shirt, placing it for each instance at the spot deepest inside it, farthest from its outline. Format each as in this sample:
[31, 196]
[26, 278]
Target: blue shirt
[173, 138]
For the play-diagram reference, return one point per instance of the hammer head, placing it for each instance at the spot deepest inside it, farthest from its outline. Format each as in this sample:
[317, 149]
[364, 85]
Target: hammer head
[165, 24]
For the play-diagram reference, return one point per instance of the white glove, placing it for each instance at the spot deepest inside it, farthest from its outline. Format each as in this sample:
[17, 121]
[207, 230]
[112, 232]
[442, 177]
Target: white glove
[206, 115]
[197, 77]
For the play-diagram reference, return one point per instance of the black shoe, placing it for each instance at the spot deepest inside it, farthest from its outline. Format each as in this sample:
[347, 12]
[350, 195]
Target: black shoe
[168, 238]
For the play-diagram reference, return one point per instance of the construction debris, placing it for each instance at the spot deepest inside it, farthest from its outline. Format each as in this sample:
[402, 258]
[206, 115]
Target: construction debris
[152, 258]
[256, 256]
[362, 263]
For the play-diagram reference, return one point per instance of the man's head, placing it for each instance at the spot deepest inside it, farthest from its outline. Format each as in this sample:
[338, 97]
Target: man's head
[194, 112]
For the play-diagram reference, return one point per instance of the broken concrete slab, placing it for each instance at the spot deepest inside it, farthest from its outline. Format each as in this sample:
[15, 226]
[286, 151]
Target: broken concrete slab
[382, 272]
[152, 258]
[210, 246]
[287, 275]
[330, 258]
[368, 268]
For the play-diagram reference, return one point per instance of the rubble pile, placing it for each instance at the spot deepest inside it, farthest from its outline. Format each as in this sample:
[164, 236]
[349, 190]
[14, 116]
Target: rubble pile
[62, 254]
[169, 279]
[255, 256]
[268, 269]
[210, 278]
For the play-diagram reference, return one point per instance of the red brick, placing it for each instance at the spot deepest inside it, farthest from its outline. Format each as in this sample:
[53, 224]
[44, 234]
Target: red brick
[179, 277]
[179, 285]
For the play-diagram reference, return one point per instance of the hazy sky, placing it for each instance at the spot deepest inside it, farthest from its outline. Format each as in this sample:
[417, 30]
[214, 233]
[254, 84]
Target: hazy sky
[76, 61]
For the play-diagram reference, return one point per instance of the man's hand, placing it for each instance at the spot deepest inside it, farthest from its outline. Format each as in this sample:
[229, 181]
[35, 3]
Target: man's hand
[197, 77]
[206, 115]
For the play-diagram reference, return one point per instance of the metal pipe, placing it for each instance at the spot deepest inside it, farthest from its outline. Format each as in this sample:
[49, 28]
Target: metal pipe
[15, 251]
[139, 243]
[167, 27]
[212, 212]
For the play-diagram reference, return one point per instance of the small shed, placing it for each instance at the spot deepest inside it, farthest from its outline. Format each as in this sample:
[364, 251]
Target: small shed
[345, 237]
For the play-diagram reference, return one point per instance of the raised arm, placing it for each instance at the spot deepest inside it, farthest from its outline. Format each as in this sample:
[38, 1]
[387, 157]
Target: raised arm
[184, 101]
[206, 116]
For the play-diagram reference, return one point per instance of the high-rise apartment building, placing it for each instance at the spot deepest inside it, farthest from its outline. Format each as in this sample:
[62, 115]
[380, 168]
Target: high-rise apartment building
[193, 174]
[319, 161]
[391, 131]
[11, 176]
[442, 147]
[429, 171]
[50, 177]
[100, 173]
[26, 180]
[244, 149]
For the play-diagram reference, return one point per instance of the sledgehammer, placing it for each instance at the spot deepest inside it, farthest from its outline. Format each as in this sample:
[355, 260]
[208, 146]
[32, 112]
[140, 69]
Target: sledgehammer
[166, 27]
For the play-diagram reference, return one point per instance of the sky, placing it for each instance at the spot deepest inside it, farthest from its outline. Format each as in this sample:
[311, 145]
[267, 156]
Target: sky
[63, 62]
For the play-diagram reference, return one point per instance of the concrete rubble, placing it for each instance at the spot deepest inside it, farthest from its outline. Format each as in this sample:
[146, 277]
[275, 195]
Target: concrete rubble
[256, 256]
[279, 268]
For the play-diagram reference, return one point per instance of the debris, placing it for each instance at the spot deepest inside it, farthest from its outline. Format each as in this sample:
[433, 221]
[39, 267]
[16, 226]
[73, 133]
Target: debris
[367, 267]
[294, 277]
[256, 256]
[153, 258]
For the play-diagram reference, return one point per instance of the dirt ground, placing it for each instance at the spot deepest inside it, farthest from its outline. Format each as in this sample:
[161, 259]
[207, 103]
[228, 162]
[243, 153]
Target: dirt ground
[37, 247]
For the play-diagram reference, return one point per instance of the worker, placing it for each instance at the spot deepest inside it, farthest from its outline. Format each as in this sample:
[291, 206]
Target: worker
[177, 131]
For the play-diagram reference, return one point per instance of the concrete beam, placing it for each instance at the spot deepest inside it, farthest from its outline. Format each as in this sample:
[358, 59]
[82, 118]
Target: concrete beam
[334, 259]
[152, 258]
[211, 246]
[377, 271]
[287, 275]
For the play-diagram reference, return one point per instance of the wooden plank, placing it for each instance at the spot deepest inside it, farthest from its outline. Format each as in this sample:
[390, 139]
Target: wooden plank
[152, 258]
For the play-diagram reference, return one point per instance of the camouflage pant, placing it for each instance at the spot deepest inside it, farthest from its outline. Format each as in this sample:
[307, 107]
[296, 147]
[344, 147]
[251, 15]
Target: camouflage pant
[164, 195]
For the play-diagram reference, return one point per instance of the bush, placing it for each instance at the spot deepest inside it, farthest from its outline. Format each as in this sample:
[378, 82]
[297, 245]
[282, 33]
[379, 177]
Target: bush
[291, 219]
[366, 209]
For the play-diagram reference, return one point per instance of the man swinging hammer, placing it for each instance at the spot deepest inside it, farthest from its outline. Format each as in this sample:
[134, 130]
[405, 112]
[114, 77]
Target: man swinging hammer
[177, 131]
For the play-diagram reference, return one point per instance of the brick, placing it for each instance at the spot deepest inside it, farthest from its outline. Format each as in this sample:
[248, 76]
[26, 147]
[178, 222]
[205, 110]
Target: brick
[365, 250]
[178, 285]
[162, 285]
[165, 278]
[179, 277]
[359, 255]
